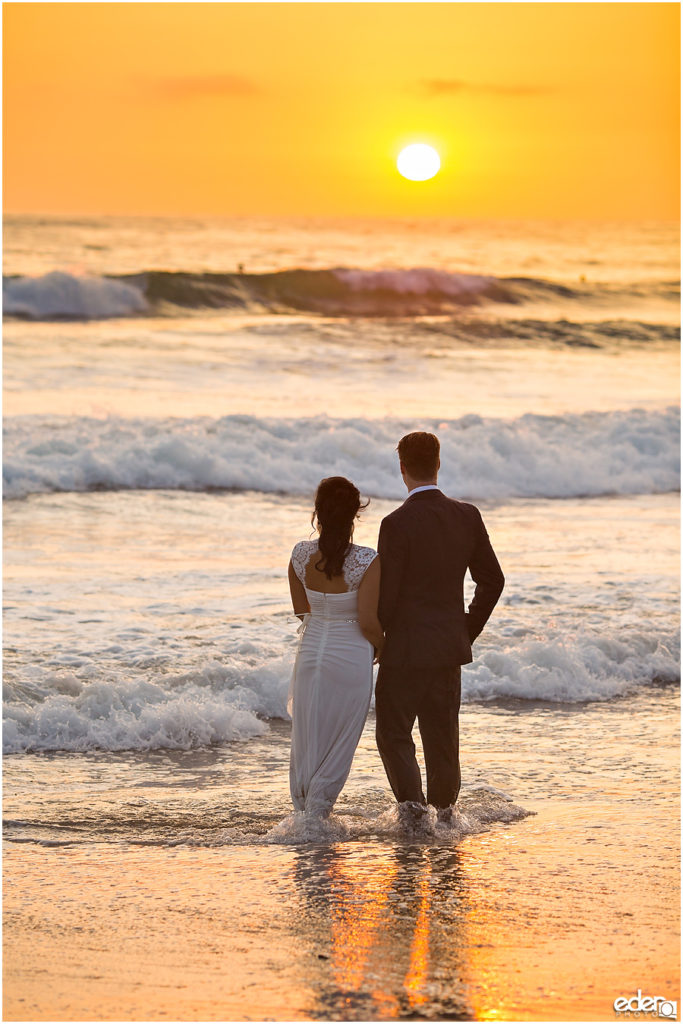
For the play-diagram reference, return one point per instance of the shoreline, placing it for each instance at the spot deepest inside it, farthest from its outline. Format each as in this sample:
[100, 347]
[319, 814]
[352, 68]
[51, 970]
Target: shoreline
[515, 923]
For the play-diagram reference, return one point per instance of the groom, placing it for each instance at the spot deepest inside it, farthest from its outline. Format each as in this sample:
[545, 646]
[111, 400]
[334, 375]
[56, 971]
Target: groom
[425, 548]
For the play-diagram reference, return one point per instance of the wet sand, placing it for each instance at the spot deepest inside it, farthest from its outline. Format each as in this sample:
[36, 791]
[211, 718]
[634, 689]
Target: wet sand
[523, 922]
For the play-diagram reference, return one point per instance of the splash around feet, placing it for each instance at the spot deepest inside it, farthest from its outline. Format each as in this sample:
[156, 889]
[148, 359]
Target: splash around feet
[477, 810]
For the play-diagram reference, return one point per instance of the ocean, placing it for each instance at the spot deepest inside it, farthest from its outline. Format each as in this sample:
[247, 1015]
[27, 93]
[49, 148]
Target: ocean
[173, 392]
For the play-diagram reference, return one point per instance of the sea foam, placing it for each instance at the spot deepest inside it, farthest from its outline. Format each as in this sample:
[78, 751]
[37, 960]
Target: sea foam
[632, 451]
[231, 701]
[215, 703]
[59, 294]
[573, 669]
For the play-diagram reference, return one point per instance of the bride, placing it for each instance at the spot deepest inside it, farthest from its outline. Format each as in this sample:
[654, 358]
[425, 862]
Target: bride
[335, 588]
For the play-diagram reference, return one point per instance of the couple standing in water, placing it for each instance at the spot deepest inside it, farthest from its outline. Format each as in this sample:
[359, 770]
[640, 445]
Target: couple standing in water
[402, 606]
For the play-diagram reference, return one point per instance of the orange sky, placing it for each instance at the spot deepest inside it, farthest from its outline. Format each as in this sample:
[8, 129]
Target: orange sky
[538, 110]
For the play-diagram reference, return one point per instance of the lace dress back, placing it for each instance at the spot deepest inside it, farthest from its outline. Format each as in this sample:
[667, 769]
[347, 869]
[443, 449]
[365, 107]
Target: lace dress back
[355, 564]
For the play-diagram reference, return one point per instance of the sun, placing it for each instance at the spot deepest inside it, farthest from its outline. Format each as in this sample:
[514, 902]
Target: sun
[418, 162]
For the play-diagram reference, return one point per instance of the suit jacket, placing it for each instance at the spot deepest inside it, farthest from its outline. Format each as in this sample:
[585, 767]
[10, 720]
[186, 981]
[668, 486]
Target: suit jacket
[425, 548]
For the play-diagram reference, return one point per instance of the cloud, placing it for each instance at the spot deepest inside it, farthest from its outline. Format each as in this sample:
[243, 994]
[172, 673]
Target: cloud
[183, 87]
[455, 86]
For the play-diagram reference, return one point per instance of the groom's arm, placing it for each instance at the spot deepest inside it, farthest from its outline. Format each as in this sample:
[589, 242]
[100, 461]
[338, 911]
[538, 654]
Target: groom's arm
[391, 555]
[488, 577]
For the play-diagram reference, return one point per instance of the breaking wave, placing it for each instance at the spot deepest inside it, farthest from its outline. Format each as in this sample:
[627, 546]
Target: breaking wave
[231, 701]
[333, 292]
[599, 453]
[66, 296]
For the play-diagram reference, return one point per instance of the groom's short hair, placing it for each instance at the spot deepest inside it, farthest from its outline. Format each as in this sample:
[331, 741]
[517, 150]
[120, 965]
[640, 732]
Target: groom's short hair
[419, 453]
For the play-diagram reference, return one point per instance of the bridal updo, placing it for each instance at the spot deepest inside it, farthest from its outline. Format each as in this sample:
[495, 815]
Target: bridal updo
[337, 506]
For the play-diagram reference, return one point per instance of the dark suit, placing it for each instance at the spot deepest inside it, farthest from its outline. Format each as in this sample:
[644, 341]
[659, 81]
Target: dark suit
[425, 548]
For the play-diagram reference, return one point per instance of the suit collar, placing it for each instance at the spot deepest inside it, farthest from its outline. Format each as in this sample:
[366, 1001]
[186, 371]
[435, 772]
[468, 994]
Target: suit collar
[422, 492]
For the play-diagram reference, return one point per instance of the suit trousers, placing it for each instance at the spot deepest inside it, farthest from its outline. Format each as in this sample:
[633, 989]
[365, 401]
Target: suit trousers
[432, 695]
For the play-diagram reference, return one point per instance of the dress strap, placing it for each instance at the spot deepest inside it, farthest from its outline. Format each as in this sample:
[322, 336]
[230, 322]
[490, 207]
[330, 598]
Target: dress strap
[356, 565]
[301, 554]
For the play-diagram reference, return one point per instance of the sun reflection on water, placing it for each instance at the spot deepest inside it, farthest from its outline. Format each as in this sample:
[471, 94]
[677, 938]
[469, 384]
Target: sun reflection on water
[392, 921]
[418, 971]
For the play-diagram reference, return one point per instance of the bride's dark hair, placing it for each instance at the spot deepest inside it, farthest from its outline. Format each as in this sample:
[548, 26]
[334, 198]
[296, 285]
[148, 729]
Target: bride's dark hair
[337, 505]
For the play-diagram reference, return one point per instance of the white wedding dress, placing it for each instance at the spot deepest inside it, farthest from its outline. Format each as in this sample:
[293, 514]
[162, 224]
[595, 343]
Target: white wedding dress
[331, 685]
